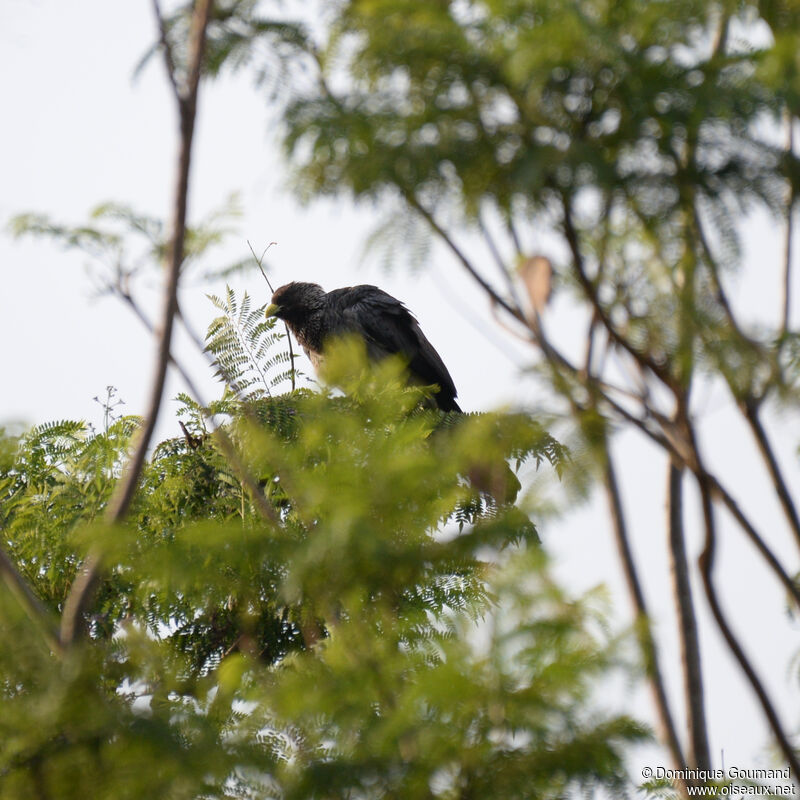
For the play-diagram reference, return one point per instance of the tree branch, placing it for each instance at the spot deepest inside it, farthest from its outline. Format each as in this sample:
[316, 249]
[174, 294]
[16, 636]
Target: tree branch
[714, 271]
[644, 632]
[642, 358]
[749, 406]
[699, 753]
[719, 490]
[79, 597]
[187, 105]
[81, 591]
[466, 263]
[706, 562]
[787, 247]
[285, 325]
[750, 411]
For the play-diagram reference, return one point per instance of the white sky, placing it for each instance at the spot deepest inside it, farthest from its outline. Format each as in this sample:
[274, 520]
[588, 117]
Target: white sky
[76, 132]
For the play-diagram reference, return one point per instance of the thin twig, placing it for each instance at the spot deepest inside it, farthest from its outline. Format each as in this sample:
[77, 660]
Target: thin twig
[512, 232]
[593, 384]
[187, 104]
[80, 594]
[714, 271]
[259, 261]
[721, 35]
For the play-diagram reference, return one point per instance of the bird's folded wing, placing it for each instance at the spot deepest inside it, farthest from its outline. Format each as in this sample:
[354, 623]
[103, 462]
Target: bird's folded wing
[388, 328]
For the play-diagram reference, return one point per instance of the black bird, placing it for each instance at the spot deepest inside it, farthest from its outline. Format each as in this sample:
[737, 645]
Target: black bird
[382, 321]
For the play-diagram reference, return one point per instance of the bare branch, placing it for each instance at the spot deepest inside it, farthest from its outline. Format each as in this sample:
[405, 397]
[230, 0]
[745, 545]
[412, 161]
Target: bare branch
[187, 106]
[719, 490]
[749, 406]
[750, 411]
[597, 387]
[706, 563]
[721, 35]
[699, 754]
[788, 241]
[644, 632]
[714, 271]
[512, 232]
[81, 591]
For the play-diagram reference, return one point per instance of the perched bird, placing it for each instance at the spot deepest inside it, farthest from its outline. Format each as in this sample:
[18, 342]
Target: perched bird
[383, 322]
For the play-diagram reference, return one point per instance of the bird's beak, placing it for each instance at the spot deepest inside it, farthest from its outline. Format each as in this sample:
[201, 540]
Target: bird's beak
[272, 310]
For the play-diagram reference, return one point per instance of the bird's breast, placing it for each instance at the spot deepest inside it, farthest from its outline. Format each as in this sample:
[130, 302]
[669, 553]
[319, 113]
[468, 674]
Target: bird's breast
[315, 357]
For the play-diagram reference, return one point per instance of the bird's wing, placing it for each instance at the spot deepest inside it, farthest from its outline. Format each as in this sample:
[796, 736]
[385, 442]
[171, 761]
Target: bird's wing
[388, 328]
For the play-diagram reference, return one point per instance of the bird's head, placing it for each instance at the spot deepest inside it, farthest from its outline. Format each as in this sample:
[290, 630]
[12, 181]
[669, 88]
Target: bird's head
[294, 301]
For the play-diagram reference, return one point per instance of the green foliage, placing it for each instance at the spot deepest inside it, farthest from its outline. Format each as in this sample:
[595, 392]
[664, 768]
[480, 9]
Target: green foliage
[234, 39]
[60, 478]
[621, 115]
[124, 242]
[392, 630]
[242, 342]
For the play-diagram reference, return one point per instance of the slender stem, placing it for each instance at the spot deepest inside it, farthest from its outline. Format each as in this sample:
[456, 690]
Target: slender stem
[721, 35]
[699, 753]
[285, 326]
[512, 232]
[713, 268]
[559, 362]
[645, 634]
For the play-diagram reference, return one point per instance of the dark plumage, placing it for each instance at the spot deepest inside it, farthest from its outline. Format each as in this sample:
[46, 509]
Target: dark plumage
[385, 324]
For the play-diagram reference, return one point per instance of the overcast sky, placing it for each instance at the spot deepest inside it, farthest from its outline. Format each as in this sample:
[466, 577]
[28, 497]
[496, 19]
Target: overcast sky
[78, 131]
